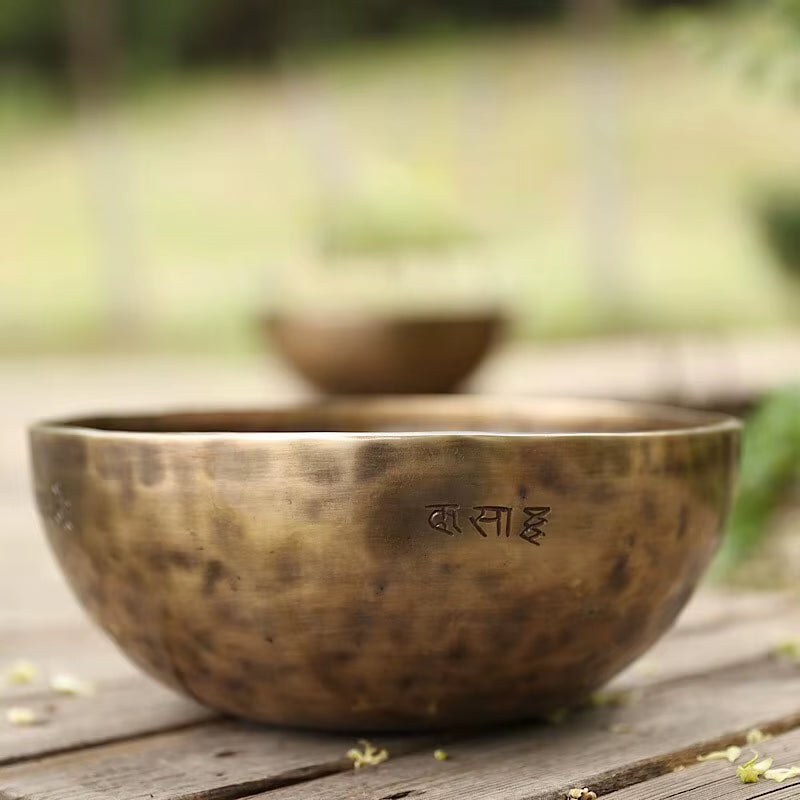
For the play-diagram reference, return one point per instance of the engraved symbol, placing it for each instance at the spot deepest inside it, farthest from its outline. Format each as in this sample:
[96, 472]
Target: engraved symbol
[499, 516]
[535, 519]
[444, 518]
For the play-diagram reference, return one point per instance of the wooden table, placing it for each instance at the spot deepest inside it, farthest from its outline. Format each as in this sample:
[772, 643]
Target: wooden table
[703, 686]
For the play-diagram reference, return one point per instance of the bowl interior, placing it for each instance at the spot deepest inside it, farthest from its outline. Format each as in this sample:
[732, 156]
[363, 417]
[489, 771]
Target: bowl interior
[425, 414]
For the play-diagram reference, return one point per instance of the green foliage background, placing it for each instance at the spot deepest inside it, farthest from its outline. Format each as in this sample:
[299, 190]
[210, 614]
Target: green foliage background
[770, 468]
[160, 35]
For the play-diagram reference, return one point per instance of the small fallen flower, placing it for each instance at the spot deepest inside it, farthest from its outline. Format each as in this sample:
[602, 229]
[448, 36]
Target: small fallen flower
[18, 715]
[728, 754]
[611, 698]
[69, 684]
[620, 727]
[441, 755]
[581, 794]
[780, 774]
[752, 770]
[21, 672]
[789, 648]
[370, 756]
[756, 736]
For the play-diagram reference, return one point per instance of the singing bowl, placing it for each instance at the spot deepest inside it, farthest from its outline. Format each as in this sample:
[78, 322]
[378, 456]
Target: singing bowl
[399, 355]
[387, 563]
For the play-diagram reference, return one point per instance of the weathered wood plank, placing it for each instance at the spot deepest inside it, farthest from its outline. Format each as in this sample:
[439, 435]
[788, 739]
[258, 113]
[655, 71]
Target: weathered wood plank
[717, 780]
[215, 761]
[32, 591]
[125, 703]
[77, 648]
[711, 637]
[119, 710]
[669, 724]
[713, 607]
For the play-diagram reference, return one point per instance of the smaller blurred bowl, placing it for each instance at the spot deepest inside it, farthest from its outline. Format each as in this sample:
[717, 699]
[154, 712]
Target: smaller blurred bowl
[393, 355]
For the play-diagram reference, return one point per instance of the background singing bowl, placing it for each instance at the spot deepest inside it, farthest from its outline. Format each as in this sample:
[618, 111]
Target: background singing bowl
[396, 355]
[387, 563]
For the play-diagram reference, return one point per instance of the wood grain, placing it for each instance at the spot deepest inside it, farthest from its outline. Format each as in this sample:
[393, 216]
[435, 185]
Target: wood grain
[78, 648]
[125, 704]
[214, 761]
[710, 637]
[119, 710]
[670, 724]
[717, 780]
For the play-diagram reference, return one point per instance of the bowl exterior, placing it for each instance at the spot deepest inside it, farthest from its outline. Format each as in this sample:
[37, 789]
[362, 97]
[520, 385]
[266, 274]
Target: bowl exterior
[360, 582]
[401, 356]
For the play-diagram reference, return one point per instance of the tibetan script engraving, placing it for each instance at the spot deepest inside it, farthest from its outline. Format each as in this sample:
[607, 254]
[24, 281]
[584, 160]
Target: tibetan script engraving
[492, 515]
[535, 518]
[491, 519]
[444, 517]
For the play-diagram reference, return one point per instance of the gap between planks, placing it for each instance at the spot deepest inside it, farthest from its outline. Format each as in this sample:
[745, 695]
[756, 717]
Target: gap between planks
[717, 780]
[123, 710]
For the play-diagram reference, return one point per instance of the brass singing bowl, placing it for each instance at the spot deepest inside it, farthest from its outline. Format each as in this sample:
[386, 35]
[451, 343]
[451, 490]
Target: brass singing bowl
[396, 355]
[387, 563]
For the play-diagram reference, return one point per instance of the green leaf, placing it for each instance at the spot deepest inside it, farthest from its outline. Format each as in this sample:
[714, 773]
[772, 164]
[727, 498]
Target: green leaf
[770, 465]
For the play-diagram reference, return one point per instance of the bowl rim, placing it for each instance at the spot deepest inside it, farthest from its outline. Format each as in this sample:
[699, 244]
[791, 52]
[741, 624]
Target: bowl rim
[682, 421]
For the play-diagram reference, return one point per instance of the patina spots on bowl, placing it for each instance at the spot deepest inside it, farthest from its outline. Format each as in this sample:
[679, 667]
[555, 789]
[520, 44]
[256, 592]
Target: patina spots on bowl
[387, 563]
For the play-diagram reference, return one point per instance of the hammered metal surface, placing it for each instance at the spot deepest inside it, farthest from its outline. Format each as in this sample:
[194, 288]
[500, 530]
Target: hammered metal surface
[387, 580]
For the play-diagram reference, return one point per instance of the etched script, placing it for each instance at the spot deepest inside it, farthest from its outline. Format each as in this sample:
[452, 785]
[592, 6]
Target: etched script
[534, 522]
[444, 518]
[492, 516]
[491, 521]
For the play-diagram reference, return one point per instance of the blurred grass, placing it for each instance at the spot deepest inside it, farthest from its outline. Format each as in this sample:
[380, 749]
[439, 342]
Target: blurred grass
[225, 188]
